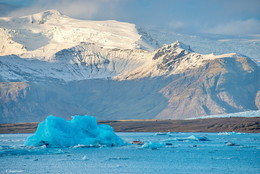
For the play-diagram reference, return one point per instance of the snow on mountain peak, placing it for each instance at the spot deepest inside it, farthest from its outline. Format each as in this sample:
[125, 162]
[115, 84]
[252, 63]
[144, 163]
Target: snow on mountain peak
[175, 58]
[51, 12]
[174, 50]
[180, 45]
[82, 49]
[42, 17]
[43, 34]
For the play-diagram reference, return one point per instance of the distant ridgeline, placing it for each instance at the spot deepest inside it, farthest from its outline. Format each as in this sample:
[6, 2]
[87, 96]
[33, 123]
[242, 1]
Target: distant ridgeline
[52, 64]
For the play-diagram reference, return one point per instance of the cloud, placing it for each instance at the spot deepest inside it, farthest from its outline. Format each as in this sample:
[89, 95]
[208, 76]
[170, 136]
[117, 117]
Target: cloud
[250, 26]
[187, 16]
[177, 26]
[6, 8]
[84, 9]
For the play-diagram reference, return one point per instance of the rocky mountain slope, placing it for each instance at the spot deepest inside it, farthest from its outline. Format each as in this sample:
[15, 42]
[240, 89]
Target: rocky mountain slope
[248, 45]
[53, 64]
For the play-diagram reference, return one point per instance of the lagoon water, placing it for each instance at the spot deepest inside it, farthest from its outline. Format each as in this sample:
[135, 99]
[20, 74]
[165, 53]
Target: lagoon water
[224, 153]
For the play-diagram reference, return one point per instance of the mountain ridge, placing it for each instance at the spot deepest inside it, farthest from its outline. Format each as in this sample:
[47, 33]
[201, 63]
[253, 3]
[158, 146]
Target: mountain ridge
[50, 31]
[108, 70]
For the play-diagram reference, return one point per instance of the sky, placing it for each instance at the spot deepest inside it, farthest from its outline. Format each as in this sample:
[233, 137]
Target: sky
[228, 17]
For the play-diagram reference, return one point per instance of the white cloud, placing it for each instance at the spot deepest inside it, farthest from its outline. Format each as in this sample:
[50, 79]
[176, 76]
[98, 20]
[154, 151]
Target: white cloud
[177, 26]
[87, 9]
[205, 17]
[250, 26]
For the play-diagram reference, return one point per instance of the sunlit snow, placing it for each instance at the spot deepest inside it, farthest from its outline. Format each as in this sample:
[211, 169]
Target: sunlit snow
[238, 114]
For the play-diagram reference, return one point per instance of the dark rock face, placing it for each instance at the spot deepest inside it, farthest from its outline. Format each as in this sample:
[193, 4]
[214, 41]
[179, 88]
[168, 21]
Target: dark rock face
[221, 86]
[257, 100]
[12, 96]
[105, 99]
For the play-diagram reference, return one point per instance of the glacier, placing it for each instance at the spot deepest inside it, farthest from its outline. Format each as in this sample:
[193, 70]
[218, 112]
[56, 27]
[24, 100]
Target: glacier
[238, 114]
[81, 130]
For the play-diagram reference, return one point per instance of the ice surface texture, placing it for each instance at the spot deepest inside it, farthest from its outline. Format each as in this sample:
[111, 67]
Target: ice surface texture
[57, 132]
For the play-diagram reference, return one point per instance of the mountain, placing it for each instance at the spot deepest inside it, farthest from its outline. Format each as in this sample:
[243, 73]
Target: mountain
[43, 34]
[248, 45]
[53, 64]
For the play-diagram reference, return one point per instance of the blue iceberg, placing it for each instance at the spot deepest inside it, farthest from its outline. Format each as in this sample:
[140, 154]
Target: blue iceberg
[83, 130]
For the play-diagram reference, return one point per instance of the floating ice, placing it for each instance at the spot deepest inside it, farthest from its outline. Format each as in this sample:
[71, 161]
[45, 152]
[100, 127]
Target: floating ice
[224, 133]
[195, 138]
[190, 138]
[84, 130]
[230, 133]
[231, 144]
[83, 146]
[162, 133]
[153, 145]
[84, 158]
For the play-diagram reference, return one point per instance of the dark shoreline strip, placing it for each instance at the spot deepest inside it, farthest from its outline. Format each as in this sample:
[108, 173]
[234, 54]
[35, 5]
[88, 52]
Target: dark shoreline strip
[237, 124]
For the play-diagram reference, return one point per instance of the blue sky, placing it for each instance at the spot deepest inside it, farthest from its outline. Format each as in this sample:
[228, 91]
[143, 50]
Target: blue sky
[236, 17]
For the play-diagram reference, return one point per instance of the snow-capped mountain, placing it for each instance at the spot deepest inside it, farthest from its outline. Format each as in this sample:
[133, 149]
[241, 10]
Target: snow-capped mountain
[90, 61]
[248, 45]
[53, 64]
[42, 35]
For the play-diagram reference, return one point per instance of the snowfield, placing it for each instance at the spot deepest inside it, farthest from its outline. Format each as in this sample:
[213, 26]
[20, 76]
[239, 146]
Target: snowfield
[225, 153]
[238, 114]
[43, 34]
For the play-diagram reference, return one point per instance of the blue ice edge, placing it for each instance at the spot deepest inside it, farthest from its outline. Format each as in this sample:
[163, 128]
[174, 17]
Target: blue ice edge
[81, 130]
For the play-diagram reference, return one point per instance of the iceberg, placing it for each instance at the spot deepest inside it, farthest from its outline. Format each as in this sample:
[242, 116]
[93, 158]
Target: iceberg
[83, 130]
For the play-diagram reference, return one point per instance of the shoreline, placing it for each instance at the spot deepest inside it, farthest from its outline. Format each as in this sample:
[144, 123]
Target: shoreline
[236, 124]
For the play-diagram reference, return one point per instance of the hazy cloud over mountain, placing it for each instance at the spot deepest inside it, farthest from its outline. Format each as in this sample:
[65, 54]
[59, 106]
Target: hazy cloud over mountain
[186, 16]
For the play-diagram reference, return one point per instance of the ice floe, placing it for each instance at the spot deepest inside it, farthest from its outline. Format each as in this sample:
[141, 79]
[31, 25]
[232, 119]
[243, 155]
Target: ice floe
[81, 130]
[190, 138]
[153, 145]
[230, 133]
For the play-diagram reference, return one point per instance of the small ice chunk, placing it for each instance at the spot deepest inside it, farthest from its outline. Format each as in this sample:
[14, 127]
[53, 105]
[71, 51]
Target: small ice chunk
[83, 146]
[153, 145]
[190, 138]
[231, 144]
[43, 146]
[59, 151]
[197, 138]
[84, 130]
[84, 158]
[230, 133]
[224, 133]
[162, 133]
